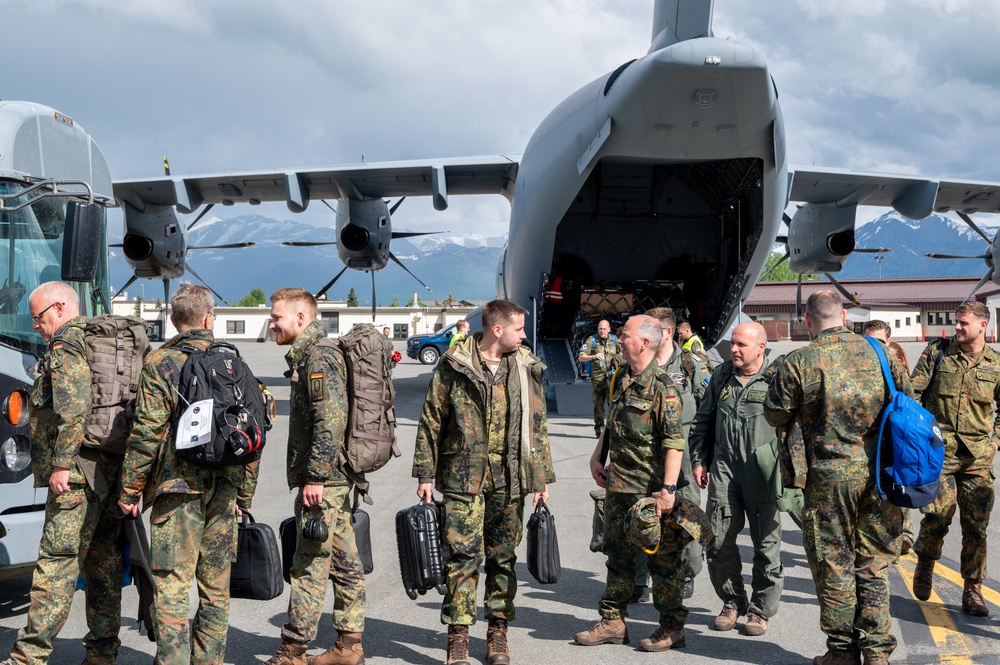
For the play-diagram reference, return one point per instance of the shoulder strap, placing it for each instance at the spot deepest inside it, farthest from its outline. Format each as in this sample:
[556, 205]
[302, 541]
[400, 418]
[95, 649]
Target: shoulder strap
[725, 373]
[885, 413]
[614, 338]
[884, 362]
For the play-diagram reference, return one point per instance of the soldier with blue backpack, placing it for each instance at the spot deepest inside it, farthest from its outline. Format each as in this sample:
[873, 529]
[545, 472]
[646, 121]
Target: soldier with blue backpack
[958, 380]
[603, 354]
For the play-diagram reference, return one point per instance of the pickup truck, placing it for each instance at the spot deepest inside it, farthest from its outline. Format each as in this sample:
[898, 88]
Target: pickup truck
[427, 348]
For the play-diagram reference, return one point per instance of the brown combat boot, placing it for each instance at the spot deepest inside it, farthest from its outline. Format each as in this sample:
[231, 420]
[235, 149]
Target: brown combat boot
[837, 658]
[497, 652]
[923, 576]
[605, 631]
[663, 638]
[289, 653]
[726, 619]
[346, 651]
[755, 626]
[458, 645]
[972, 599]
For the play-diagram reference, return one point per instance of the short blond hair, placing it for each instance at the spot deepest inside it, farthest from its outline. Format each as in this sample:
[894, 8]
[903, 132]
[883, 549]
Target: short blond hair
[306, 299]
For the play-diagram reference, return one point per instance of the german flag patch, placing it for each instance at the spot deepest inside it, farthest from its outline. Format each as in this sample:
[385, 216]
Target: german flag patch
[57, 346]
[671, 398]
[317, 386]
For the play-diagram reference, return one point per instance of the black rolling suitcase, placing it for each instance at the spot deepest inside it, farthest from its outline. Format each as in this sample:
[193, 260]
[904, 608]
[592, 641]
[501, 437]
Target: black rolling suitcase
[421, 556]
[256, 573]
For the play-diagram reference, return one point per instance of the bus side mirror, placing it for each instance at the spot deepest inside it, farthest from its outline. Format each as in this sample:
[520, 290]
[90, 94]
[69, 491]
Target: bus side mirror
[82, 241]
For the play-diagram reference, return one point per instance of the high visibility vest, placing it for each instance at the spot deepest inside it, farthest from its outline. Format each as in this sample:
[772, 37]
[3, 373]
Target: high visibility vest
[553, 292]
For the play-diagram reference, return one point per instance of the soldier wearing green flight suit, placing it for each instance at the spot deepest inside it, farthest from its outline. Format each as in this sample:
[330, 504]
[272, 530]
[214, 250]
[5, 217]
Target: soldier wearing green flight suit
[959, 380]
[317, 427]
[691, 375]
[193, 509]
[645, 447]
[482, 441]
[728, 434]
[78, 534]
[603, 354]
[835, 389]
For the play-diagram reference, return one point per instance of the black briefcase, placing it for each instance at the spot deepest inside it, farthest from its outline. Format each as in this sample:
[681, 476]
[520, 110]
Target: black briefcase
[543, 546]
[256, 574]
[421, 556]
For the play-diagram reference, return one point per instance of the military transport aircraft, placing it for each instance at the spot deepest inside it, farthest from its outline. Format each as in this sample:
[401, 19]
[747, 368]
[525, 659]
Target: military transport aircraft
[664, 181]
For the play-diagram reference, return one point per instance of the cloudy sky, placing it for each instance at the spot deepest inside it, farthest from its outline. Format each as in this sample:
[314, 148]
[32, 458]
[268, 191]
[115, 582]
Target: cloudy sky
[907, 86]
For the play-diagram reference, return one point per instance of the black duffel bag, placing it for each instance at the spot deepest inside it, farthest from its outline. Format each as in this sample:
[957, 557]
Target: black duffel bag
[256, 573]
[543, 546]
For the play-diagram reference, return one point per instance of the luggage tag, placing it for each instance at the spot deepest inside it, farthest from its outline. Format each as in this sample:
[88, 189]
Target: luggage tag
[194, 428]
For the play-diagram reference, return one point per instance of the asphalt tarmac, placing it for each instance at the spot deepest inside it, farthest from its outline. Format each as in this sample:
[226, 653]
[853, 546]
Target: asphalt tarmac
[401, 630]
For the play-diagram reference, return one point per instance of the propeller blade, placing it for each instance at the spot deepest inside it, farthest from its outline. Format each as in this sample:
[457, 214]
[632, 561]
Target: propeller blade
[200, 215]
[329, 206]
[847, 294]
[373, 296]
[414, 234]
[198, 277]
[393, 208]
[296, 243]
[874, 250]
[166, 166]
[772, 268]
[233, 245]
[326, 288]
[130, 282]
[119, 245]
[955, 256]
[968, 220]
[798, 299]
[987, 277]
[166, 294]
[400, 264]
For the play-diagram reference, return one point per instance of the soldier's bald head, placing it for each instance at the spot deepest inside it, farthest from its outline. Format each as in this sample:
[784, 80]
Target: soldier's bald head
[57, 292]
[753, 331]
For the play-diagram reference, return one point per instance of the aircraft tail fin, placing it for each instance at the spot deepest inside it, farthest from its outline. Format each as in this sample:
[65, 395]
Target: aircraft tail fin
[677, 20]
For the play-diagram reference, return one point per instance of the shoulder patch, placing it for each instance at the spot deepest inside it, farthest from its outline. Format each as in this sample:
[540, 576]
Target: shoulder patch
[317, 386]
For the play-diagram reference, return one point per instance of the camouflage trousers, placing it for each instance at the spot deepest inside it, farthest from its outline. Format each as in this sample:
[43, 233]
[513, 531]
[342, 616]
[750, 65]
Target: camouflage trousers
[966, 484]
[692, 554]
[850, 539]
[665, 567]
[489, 526]
[729, 511]
[193, 539]
[599, 395]
[336, 559]
[78, 536]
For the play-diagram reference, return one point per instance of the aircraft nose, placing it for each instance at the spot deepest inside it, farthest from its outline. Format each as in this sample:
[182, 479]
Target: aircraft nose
[137, 247]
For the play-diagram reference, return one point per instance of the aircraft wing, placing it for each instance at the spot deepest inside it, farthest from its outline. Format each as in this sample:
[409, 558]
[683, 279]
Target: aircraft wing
[491, 174]
[913, 196]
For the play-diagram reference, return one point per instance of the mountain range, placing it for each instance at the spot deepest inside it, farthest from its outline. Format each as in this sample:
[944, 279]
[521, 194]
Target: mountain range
[464, 266]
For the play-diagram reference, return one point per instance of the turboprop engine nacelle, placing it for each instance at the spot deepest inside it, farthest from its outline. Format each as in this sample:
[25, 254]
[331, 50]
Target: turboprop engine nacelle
[820, 238]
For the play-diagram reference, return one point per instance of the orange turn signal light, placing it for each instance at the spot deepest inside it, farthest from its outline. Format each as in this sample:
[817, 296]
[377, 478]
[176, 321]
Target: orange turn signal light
[15, 408]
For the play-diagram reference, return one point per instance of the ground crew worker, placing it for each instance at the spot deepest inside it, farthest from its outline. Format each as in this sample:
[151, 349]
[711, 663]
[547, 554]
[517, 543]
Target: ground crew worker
[646, 443]
[316, 430]
[959, 381]
[691, 375]
[603, 353]
[689, 341]
[835, 388]
[727, 431]
[484, 397]
[193, 509]
[78, 534]
[461, 332]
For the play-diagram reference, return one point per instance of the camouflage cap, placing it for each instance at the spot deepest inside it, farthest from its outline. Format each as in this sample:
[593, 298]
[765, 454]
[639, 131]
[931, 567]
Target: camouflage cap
[688, 518]
[642, 526]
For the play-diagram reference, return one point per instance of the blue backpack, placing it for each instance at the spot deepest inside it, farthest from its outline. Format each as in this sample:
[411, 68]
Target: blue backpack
[917, 446]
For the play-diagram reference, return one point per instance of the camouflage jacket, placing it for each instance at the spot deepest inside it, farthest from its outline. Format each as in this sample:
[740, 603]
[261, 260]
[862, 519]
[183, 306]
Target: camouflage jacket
[60, 404]
[152, 466]
[644, 421]
[317, 422]
[451, 445]
[692, 377]
[730, 426]
[961, 396]
[612, 356]
[834, 386]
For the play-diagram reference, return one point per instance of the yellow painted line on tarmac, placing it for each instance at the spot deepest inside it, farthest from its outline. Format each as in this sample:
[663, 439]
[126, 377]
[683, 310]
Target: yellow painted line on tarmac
[955, 577]
[955, 647]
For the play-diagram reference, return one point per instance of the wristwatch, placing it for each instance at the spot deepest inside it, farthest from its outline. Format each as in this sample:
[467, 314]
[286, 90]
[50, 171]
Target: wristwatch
[670, 488]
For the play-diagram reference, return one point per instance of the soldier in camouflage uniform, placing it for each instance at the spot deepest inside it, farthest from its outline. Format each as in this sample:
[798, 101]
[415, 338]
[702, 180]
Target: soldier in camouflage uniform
[603, 353]
[193, 509]
[78, 534]
[834, 387]
[482, 441]
[959, 380]
[316, 430]
[726, 434]
[689, 371]
[646, 443]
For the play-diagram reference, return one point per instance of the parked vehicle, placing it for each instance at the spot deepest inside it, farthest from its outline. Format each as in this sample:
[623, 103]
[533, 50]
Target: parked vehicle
[427, 348]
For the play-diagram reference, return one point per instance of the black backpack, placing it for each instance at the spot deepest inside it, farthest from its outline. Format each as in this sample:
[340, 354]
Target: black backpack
[239, 411]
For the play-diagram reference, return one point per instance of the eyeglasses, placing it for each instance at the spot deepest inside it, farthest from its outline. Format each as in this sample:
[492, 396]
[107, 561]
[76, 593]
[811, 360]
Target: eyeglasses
[37, 318]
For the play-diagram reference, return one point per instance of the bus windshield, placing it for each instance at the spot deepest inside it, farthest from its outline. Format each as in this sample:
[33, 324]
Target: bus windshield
[30, 254]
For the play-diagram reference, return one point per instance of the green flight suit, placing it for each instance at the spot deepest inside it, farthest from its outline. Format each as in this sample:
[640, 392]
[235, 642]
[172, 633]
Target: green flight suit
[599, 371]
[962, 395]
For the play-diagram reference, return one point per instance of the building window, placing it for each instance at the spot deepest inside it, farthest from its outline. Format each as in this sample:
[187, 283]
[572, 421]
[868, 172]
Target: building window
[331, 321]
[907, 320]
[400, 330]
[918, 319]
[897, 323]
[235, 327]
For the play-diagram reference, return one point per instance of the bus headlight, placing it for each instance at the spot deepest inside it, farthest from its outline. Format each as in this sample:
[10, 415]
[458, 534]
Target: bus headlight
[15, 454]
